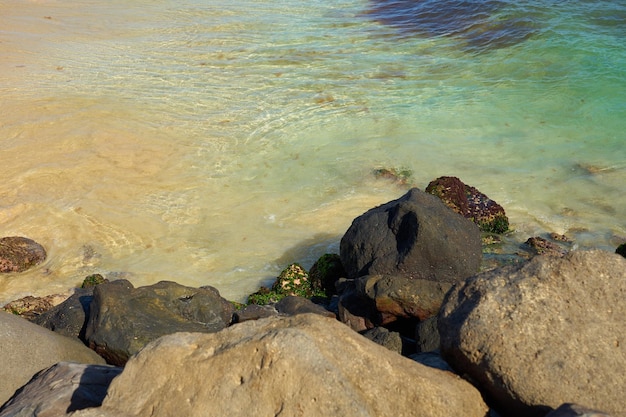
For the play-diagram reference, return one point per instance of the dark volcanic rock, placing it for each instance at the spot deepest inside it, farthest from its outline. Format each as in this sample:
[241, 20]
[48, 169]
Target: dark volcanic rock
[292, 305]
[427, 336]
[384, 337]
[70, 317]
[254, 312]
[470, 203]
[621, 250]
[415, 236]
[541, 334]
[123, 319]
[18, 254]
[398, 297]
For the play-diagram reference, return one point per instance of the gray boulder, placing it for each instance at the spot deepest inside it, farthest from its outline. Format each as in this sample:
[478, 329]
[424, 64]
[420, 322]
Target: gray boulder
[535, 336]
[415, 236]
[62, 388]
[27, 349]
[303, 365]
[123, 319]
[18, 254]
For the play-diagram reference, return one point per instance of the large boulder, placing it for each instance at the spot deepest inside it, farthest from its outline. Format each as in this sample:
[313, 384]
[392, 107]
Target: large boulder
[62, 388]
[535, 336]
[27, 349]
[304, 365]
[123, 319]
[18, 254]
[415, 236]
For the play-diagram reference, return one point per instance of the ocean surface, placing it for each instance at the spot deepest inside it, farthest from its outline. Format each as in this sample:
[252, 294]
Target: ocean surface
[212, 142]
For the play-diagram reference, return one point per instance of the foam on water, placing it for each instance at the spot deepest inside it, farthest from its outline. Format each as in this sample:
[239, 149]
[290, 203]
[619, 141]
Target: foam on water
[212, 144]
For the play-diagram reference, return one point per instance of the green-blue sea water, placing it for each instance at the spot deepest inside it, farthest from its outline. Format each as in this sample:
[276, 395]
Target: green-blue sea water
[213, 142]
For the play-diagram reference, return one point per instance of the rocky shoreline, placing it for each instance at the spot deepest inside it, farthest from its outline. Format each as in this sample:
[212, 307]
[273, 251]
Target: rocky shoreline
[416, 316]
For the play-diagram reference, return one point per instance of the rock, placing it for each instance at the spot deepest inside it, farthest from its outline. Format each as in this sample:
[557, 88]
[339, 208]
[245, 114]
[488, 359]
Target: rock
[432, 359]
[574, 410]
[254, 312]
[60, 389]
[17, 254]
[541, 334]
[621, 250]
[427, 336]
[293, 280]
[30, 307]
[415, 236]
[123, 319]
[383, 337]
[304, 365]
[93, 280]
[27, 349]
[70, 317]
[353, 309]
[325, 272]
[541, 246]
[470, 203]
[293, 305]
[400, 297]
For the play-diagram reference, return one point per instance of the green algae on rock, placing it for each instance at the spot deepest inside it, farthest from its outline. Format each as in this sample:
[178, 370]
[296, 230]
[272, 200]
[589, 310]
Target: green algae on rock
[293, 280]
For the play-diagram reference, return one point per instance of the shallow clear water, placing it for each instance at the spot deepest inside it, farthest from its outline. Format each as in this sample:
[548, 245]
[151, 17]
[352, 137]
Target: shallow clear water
[213, 144]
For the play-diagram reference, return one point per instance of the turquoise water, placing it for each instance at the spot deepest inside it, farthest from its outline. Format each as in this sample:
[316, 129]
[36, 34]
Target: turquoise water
[213, 143]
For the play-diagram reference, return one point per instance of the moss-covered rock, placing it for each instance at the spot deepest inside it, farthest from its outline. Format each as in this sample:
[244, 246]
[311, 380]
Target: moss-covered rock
[93, 280]
[325, 272]
[470, 203]
[293, 280]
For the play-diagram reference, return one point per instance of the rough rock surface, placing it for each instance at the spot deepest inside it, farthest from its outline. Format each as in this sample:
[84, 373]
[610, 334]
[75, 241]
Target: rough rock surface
[542, 334]
[18, 254]
[62, 388]
[416, 236]
[292, 305]
[383, 337]
[542, 246]
[304, 365]
[427, 335]
[470, 203]
[397, 297]
[27, 349]
[123, 319]
[70, 317]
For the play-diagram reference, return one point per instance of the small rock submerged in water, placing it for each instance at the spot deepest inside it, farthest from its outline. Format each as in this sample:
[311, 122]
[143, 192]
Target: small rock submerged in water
[17, 254]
